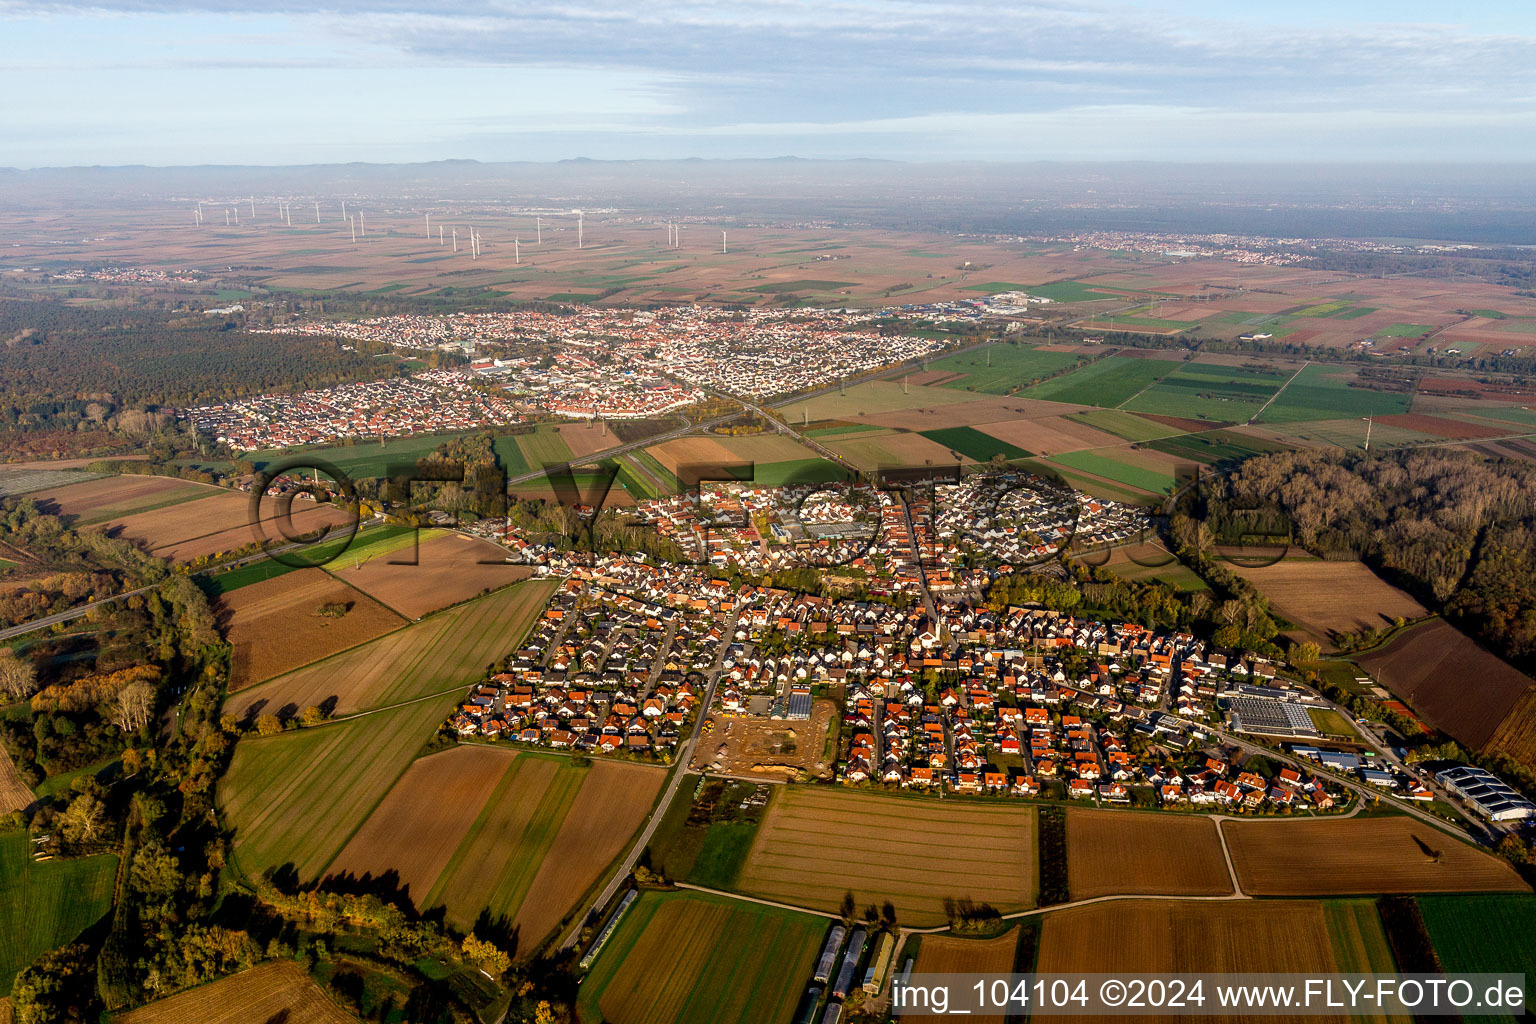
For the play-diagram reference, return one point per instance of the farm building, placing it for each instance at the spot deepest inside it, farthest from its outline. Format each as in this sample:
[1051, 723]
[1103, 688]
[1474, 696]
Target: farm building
[829, 953]
[806, 1014]
[850, 964]
[1493, 798]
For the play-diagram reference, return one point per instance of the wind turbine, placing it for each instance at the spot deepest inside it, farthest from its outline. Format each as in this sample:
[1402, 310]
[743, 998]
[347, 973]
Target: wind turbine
[517, 252]
[538, 227]
[580, 222]
[455, 239]
[429, 225]
[253, 207]
[317, 211]
[722, 241]
[353, 222]
[439, 234]
[362, 225]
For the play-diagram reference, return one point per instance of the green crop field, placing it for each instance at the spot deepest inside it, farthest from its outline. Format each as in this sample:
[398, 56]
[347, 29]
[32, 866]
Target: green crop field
[1011, 366]
[975, 445]
[1404, 331]
[1483, 933]
[695, 958]
[1357, 937]
[509, 455]
[1216, 446]
[800, 471]
[1211, 392]
[494, 865]
[1106, 383]
[1322, 392]
[1122, 424]
[1154, 480]
[543, 447]
[295, 799]
[1073, 291]
[45, 905]
[299, 796]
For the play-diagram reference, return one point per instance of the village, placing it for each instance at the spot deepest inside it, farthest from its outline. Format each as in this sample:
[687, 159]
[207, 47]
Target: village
[946, 697]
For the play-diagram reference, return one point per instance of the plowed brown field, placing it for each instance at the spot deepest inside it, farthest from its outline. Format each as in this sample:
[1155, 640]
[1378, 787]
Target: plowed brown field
[424, 817]
[449, 568]
[275, 625]
[1120, 853]
[1450, 681]
[614, 801]
[1359, 855]
[1161, 937]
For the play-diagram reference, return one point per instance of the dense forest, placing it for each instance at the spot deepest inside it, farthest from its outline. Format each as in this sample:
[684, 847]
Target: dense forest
[105, 368]
[1452, 527]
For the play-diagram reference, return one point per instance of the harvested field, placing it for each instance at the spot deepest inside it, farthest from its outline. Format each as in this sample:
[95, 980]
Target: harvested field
[873, 453]
[448, 650]
[1161, 937]
[493, 867]
[1328, 598]
[727, 451]
[584, 439]
[684, 958]
[885, 404]
[1049, 435]
[278, 991]
[1516, 735]
[275, 626]
[1122, 852]
[614, 801]
[216, 524]
[14, 794]
[1449, 681]
[424, 817]
[449, 568]
[951, 954]
[814, 845]
[1356, 856]
[110, 497]
[1455, 429]
[297, 798]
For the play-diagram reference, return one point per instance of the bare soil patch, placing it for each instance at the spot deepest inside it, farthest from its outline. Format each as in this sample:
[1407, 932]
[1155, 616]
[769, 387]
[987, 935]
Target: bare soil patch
[276, 625]
[1121, 852]
[614, 801]
[1352, 856]
[1449, 681]
[448, 568]
[749, 745]
[424, 817]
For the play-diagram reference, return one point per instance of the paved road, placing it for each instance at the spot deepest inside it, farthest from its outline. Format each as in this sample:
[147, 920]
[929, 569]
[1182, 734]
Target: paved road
[674, 780]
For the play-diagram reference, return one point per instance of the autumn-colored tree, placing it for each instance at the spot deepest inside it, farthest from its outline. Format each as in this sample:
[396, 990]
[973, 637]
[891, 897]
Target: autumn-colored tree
[269, 725]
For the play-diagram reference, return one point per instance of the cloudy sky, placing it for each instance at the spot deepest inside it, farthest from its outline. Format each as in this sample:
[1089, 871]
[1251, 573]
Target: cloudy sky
[237, 81]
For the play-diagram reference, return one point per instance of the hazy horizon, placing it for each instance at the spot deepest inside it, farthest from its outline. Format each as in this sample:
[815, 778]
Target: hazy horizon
[193, 82]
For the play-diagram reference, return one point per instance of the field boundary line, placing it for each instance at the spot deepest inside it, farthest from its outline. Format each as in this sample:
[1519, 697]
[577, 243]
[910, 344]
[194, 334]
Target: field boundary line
[1255, 417]
[1221, 834]
[744, 898]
